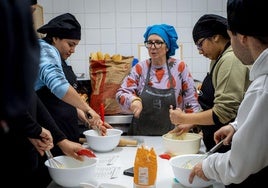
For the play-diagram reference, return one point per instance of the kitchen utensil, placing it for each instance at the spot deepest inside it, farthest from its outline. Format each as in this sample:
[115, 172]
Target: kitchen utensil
[103, 143]
[165, 156]
[74, 171]
[187, 143]
[102, 117]
[181, 174]
[192, 162]
[127, 142]
[86, 152]
[53, 162]
[102, 112]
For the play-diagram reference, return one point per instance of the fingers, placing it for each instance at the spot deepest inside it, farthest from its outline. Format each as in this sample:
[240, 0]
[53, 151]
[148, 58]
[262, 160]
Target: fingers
[226, 133]
[107, 125]
[136, 108]
[197, 171]
[41, 146]
[191, 176]
[95, 121]
[227, 141]
[136, 113]
[78, 157]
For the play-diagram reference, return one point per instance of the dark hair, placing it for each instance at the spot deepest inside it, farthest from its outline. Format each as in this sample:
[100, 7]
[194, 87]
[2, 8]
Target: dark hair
[248, 17]
[33, 2]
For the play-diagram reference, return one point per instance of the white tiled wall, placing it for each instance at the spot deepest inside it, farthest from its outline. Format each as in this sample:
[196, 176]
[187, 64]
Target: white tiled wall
[117, 26]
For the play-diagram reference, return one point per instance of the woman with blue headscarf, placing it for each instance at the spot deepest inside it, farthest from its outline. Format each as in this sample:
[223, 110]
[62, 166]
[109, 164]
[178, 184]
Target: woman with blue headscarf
[155, 84]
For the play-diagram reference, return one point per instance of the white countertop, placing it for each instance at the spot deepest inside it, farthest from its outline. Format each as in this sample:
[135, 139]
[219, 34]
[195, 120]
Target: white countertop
[125, 157]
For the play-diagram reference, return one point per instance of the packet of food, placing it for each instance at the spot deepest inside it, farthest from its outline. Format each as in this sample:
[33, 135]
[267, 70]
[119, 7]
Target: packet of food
[145, 167]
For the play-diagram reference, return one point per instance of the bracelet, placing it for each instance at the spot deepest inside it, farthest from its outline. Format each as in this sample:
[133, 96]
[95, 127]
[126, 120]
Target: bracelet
[136, 99]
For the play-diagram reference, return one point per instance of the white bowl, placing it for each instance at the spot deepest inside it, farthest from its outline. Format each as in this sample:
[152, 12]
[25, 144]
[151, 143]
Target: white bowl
[182, 168]
[188, 143]
[74, 171]
[103, 143]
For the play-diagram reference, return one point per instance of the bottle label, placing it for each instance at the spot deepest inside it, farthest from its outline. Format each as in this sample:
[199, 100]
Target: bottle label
[143, 176]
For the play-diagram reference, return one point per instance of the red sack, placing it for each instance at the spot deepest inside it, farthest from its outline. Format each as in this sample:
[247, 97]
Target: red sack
[106, 77]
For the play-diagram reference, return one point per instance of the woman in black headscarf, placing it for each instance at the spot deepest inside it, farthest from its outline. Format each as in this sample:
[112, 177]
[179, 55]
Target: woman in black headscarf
[224, 86]
[56, 83]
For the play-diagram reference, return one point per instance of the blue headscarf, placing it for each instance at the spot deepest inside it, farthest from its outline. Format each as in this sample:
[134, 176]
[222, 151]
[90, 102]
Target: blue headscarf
[167, 33]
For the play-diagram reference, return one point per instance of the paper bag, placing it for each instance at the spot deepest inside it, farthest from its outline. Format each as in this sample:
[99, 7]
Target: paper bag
[145, 167]
[106, 77]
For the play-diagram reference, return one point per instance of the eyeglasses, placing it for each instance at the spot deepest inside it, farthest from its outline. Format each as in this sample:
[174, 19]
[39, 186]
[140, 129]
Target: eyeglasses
[157, 44]
[200, 44]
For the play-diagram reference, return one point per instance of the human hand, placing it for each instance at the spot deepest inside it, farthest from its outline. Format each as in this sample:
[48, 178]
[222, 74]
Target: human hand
[226, 132]
[82, 116]
[107, 125]
[97, 124]
[93, 118]
[70, 148]
[181, 128]
[175, 115]
[103, 128]
[136, 108]
[45, 142]
[197, 171]
[100, 127]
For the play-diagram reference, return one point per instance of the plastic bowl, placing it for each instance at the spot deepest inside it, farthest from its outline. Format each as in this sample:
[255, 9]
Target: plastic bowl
[103, 143]
[188, 143]
[74, 171]
[181, 170]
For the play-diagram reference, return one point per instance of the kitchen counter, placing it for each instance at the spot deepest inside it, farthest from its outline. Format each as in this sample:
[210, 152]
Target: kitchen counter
[119, 121]
[125, 157]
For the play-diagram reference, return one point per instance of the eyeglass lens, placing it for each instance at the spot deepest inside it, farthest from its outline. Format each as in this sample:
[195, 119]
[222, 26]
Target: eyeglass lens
[156, 44]
[200, 44]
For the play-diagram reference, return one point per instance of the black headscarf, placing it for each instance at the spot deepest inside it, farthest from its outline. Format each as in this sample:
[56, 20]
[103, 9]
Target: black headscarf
[64, 26]
[209, 25]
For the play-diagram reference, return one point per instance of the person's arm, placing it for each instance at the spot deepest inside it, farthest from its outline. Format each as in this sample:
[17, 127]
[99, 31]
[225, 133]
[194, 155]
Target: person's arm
[26, 125]
[230, 79]
[247, 155]
[177, 117]
[73, 98]
[45, 119]
[52, 76]
[129, 90]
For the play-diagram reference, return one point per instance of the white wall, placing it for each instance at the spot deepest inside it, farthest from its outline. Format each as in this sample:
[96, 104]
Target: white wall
[117, 26]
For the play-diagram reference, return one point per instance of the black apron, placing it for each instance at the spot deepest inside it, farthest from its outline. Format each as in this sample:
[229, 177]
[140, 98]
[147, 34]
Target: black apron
[206, 101]
[154, 118]
[64, 114]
